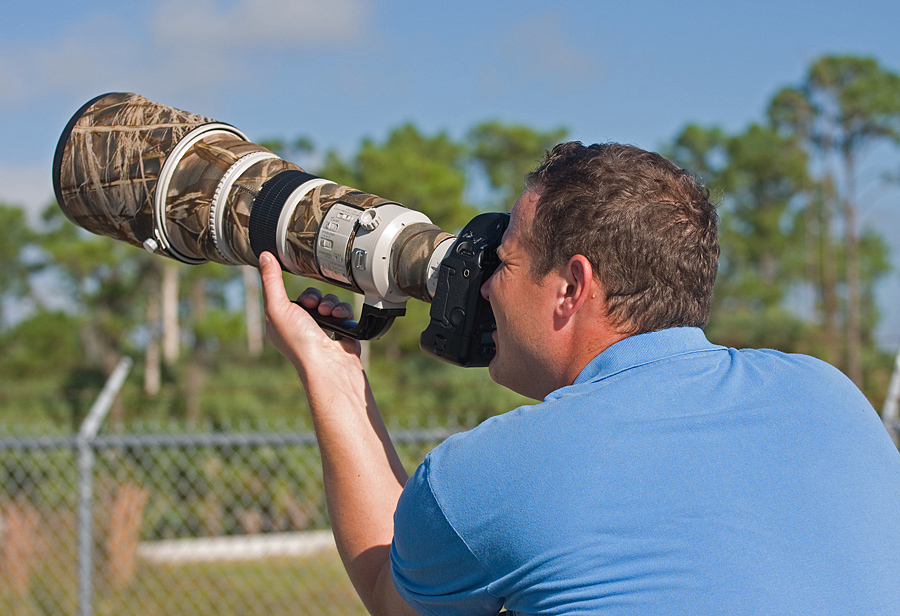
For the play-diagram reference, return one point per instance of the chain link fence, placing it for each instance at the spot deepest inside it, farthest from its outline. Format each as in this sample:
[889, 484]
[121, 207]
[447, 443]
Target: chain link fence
[193, 523]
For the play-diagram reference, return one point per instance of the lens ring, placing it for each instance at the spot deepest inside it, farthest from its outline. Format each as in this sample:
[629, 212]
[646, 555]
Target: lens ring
[160, 228]
[220, 200]
[267, 206]
[284, 220]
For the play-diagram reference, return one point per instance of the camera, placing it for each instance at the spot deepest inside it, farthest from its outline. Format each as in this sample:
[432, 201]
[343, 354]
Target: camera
[461, 319]
[193, 189]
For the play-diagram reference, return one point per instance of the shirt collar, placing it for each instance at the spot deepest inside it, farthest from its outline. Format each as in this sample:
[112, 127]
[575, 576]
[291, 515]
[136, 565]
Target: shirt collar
[643, 349]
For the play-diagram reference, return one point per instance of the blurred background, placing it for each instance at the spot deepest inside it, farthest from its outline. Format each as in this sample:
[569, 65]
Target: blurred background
[788, 110]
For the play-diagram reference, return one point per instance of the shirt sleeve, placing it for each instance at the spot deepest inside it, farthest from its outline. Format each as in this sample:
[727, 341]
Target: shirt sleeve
[433, 568]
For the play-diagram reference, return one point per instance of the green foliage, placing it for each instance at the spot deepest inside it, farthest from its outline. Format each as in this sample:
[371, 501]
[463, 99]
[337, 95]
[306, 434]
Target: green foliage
[42, 340]
[772, 328]
[507, 152]
[873, 264]
[778, 206]
[858, 96]
[423, 173]
[702, 150]
[765, 175]
[757, 177]
[421, 391]
[791, 112]
[15, 235]
[844, 105]
[102, 279]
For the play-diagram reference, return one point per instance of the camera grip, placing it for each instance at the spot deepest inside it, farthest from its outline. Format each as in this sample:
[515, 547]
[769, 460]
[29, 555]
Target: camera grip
[372, 323]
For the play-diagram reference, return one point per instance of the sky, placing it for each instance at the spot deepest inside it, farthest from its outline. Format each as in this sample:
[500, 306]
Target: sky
[338, 71]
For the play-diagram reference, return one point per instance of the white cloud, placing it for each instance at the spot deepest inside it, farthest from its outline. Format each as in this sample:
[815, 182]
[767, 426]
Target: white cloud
[15, 85]
[184, 45]
[102, 50]
[259, 24]
[539, 53]
[27, 186]
[98, 50]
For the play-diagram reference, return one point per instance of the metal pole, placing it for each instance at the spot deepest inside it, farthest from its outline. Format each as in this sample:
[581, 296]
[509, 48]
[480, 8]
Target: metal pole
[890, 414]
[84, 441]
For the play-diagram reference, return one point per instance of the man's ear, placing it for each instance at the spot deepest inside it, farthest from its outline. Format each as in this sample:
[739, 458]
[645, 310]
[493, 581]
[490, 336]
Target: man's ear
[577, 285]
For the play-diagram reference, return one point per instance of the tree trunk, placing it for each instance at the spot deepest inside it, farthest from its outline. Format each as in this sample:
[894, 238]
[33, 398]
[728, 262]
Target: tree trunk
[152, 368]
[171, 336]
[890, 414]
[829, 277]
[851, 240]
[252, 312]
[197, 367]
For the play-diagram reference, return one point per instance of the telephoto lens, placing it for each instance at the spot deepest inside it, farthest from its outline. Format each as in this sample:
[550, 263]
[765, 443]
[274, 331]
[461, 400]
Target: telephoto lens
[193, 189]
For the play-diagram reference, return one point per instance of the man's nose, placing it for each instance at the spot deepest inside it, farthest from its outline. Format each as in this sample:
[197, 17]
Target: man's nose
[485, 292]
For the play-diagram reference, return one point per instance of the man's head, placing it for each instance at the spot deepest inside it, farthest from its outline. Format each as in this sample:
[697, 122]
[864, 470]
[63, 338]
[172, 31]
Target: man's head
[645, 225]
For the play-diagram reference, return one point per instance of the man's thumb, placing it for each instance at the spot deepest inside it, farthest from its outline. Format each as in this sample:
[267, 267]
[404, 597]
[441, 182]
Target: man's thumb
[272, 282]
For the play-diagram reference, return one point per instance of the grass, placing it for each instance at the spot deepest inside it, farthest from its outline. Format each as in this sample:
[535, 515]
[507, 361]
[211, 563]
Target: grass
[270, 587]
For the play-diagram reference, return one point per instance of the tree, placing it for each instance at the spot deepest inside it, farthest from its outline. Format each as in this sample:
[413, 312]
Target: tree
[793, 114]
[763, 178]
[103, 283]
[101, 279]
[15, 235]
[209, 329]
[422, 173]
[507, 152]
[844, 105]
[756, 177]
[701, 150]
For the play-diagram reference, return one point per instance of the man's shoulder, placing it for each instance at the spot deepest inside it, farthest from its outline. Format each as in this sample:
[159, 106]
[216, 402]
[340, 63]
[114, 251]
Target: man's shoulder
[795, 371]
[505, 443]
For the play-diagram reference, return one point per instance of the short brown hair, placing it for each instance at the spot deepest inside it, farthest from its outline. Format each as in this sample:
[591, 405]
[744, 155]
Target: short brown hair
[646, 226]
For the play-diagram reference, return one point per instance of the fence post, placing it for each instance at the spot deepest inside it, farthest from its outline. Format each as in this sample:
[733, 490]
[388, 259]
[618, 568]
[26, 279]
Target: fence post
[85, 442]
[891, 410]
[890, 414]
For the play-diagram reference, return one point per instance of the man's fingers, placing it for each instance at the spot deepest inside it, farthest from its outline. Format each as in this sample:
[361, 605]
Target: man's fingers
[329, 305]
[343, 311]
[310, 298]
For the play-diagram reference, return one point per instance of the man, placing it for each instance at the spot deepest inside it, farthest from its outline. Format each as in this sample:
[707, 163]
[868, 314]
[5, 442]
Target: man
[661, 474]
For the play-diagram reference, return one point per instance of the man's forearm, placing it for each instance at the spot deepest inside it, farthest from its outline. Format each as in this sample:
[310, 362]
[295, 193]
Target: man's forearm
[362, 473]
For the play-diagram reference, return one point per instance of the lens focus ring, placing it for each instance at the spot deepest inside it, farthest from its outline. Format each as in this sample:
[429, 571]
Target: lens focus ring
[267, 208]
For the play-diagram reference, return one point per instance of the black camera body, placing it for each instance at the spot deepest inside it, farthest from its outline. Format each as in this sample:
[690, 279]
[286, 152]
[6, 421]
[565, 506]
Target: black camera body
[461, 319]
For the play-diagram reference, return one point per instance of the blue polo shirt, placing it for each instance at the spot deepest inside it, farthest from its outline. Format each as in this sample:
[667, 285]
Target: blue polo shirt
[673, 477]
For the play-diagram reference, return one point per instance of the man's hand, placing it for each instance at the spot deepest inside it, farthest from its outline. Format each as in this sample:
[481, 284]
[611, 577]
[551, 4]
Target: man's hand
[291, 329]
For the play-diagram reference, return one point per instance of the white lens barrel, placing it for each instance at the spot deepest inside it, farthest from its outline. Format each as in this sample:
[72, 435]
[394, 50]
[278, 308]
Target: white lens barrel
[370, 258]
